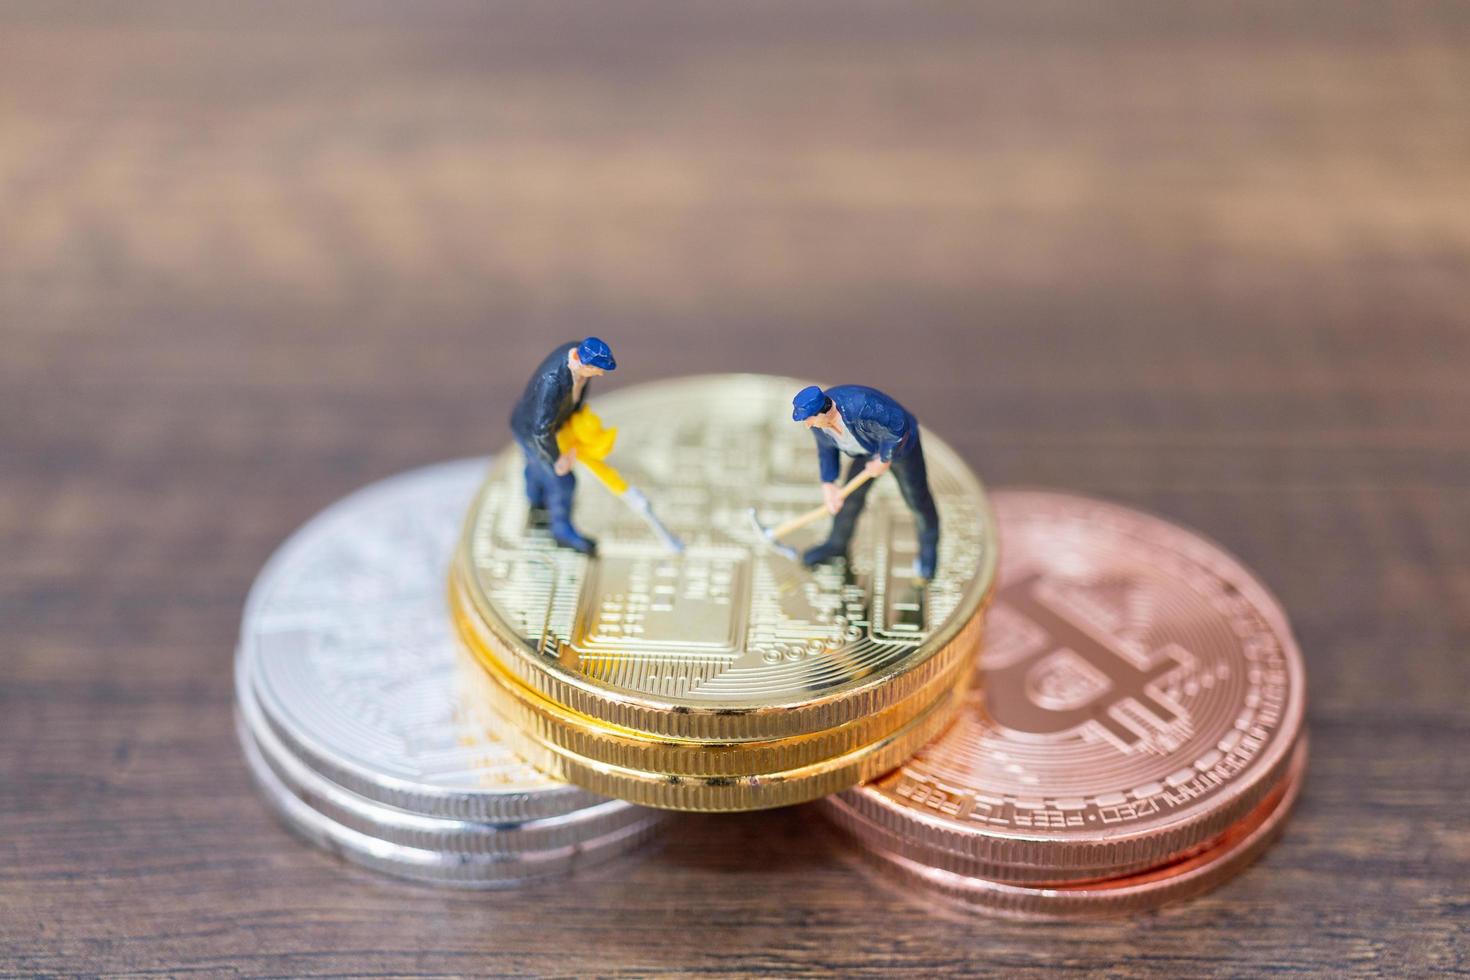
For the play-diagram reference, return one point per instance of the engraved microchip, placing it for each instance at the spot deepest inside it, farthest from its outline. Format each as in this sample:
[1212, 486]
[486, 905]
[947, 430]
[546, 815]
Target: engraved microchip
[646, 604]
[898, 603]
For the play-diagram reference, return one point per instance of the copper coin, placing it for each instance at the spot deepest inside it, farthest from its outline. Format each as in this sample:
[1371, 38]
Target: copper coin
[1188, 877]
[1138, 693]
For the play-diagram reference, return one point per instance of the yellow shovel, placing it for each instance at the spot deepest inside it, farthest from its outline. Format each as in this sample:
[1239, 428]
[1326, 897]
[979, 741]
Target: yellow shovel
[584, 433]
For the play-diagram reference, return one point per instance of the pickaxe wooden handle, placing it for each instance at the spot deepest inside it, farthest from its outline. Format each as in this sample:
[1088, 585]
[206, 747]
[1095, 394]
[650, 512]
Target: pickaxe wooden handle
[802, 520]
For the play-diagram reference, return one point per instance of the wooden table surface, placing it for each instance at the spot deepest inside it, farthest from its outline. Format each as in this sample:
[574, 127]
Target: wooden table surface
[1210, 260]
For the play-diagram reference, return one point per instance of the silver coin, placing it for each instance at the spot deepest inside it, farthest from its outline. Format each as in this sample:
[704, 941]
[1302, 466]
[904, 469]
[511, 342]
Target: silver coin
[422, 864]
[413, 830]
[347, 649]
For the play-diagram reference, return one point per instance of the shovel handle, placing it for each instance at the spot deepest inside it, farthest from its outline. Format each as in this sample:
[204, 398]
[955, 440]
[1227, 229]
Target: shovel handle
[802, 520]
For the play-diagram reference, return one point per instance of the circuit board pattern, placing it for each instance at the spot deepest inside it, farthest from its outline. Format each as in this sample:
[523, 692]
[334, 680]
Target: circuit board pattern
[730, 621]
[1132, 671]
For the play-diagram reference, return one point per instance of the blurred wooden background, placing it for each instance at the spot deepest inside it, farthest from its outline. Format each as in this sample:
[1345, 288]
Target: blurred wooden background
[1208, 259]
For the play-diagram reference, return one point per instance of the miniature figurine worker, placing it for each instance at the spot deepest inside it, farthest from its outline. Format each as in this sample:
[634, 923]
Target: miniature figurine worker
[879, 434]
[555, 391]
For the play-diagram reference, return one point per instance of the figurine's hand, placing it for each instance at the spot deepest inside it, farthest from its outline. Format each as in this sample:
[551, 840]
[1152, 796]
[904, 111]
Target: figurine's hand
[564, 462]
[876, 468]
[832, 497]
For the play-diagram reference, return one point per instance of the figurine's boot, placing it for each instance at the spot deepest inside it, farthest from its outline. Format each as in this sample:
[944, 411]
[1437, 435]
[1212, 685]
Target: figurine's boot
[844, 523]
[826, 551]
[569, 537]
[559, 491]
[928, 557]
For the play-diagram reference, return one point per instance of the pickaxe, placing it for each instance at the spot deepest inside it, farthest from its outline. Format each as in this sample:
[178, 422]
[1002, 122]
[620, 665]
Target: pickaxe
[772, 535]
[584, 433]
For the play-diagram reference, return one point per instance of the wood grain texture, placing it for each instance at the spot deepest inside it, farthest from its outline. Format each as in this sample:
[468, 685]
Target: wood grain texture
[1210, 260]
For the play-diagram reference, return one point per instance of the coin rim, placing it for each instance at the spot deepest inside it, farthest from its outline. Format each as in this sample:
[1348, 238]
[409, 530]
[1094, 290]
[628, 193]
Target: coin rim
[1052, 861]
[723, 794]
[577, 734]
[1178, 880]
[426, 831]
[456, 869]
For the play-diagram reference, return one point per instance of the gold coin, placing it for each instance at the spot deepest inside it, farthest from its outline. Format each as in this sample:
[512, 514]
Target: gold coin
[578, 751]
[730, 665]
[581, 735]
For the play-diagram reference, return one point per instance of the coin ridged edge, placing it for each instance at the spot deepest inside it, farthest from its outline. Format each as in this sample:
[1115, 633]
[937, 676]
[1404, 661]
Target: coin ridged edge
[1176, 881]
[710, 725]
[589, 737]
[719, 794]
[989, 855]
[427, 832]
[428, 866]
[487, 807]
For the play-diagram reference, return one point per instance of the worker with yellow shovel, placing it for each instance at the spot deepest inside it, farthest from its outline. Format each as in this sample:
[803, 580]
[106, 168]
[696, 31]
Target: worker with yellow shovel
[555, 431]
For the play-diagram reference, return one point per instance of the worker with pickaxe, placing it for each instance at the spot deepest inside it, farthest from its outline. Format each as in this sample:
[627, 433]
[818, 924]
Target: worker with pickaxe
[878, 434]
[556, 430]
[554, 393]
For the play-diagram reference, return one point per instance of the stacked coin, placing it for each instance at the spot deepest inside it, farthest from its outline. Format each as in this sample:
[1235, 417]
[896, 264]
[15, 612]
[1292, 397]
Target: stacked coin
[728, 677]
[1134, 728]
[364, 723]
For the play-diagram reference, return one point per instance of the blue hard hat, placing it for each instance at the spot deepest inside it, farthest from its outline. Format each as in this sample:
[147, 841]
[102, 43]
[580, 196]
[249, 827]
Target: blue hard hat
[809, 401]
[594, 352]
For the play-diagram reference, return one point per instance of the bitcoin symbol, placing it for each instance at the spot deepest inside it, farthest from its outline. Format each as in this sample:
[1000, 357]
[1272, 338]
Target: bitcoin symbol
[1072, 676]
